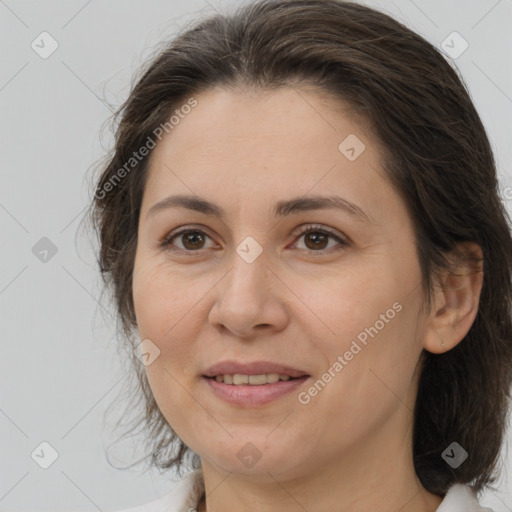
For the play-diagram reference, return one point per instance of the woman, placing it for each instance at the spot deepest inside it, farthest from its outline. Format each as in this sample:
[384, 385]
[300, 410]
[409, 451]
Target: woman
[302, 230]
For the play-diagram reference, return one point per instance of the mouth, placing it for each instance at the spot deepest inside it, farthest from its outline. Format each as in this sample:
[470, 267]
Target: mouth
[239, 379]
[250, 384]
[254, 369]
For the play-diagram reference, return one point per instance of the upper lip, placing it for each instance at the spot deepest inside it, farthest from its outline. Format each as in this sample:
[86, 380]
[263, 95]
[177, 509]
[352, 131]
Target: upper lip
[251, 368]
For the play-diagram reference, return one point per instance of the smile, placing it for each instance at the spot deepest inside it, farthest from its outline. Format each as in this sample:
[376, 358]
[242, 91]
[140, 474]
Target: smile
[253, 380]
[246, 394]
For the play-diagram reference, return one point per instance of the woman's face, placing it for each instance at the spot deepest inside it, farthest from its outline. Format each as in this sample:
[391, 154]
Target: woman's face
[333, 292]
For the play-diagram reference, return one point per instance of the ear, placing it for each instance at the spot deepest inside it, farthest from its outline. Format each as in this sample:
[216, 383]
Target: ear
[455, 300]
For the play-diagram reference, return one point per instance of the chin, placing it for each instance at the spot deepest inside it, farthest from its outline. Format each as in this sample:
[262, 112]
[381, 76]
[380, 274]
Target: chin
[248, 457]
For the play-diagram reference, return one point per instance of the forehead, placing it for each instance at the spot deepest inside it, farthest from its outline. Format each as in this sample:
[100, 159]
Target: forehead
[264, 145]
[273, 117]
[289, 128]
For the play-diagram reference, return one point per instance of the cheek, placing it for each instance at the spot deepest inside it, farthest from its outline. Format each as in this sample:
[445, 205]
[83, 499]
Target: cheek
[382, 352]
[350, 301]
[163, 301]
[372, 316]
[167, 315]
[372, 380]
[170, 311]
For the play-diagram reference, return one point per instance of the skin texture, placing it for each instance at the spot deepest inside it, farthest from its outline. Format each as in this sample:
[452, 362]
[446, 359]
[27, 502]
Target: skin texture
[298, 303]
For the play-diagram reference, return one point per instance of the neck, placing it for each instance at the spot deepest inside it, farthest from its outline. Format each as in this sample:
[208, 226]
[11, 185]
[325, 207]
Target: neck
[377, 474]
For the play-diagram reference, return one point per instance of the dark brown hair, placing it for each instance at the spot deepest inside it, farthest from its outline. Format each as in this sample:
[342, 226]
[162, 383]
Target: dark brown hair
[435, 153]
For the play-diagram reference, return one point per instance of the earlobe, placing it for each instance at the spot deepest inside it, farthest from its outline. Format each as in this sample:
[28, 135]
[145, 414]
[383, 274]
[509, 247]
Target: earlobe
[455, 301]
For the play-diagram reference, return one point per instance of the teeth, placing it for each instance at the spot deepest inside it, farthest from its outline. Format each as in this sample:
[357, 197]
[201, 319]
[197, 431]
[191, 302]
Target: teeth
[257, 379]
[254, 380]
[240, 379]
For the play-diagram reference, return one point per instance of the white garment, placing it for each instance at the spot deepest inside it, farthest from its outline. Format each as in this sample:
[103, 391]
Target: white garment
[186, 496]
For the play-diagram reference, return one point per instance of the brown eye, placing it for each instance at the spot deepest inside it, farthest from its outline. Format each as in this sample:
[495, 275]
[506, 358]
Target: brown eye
[316, 239]
[191, 240]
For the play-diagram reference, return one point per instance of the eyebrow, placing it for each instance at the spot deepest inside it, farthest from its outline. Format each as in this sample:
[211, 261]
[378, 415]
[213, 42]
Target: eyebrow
[281, 208]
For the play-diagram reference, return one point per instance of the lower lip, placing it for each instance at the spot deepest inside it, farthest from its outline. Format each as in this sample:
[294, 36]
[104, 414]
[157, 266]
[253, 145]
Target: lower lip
[249, 395]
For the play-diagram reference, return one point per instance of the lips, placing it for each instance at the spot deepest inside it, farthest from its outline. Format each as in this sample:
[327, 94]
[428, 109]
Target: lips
[252, 368]
[232, 388]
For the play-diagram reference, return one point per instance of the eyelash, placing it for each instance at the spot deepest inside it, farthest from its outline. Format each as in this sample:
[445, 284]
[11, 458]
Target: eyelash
[314, 228]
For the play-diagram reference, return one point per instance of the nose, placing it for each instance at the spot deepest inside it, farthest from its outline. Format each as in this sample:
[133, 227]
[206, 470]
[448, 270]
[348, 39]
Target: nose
[250, 300]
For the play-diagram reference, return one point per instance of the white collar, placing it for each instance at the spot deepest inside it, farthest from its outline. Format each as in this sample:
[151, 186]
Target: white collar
[460, 498]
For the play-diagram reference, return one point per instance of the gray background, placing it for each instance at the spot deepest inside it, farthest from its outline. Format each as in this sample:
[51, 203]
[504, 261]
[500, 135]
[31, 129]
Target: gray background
[60, 366]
